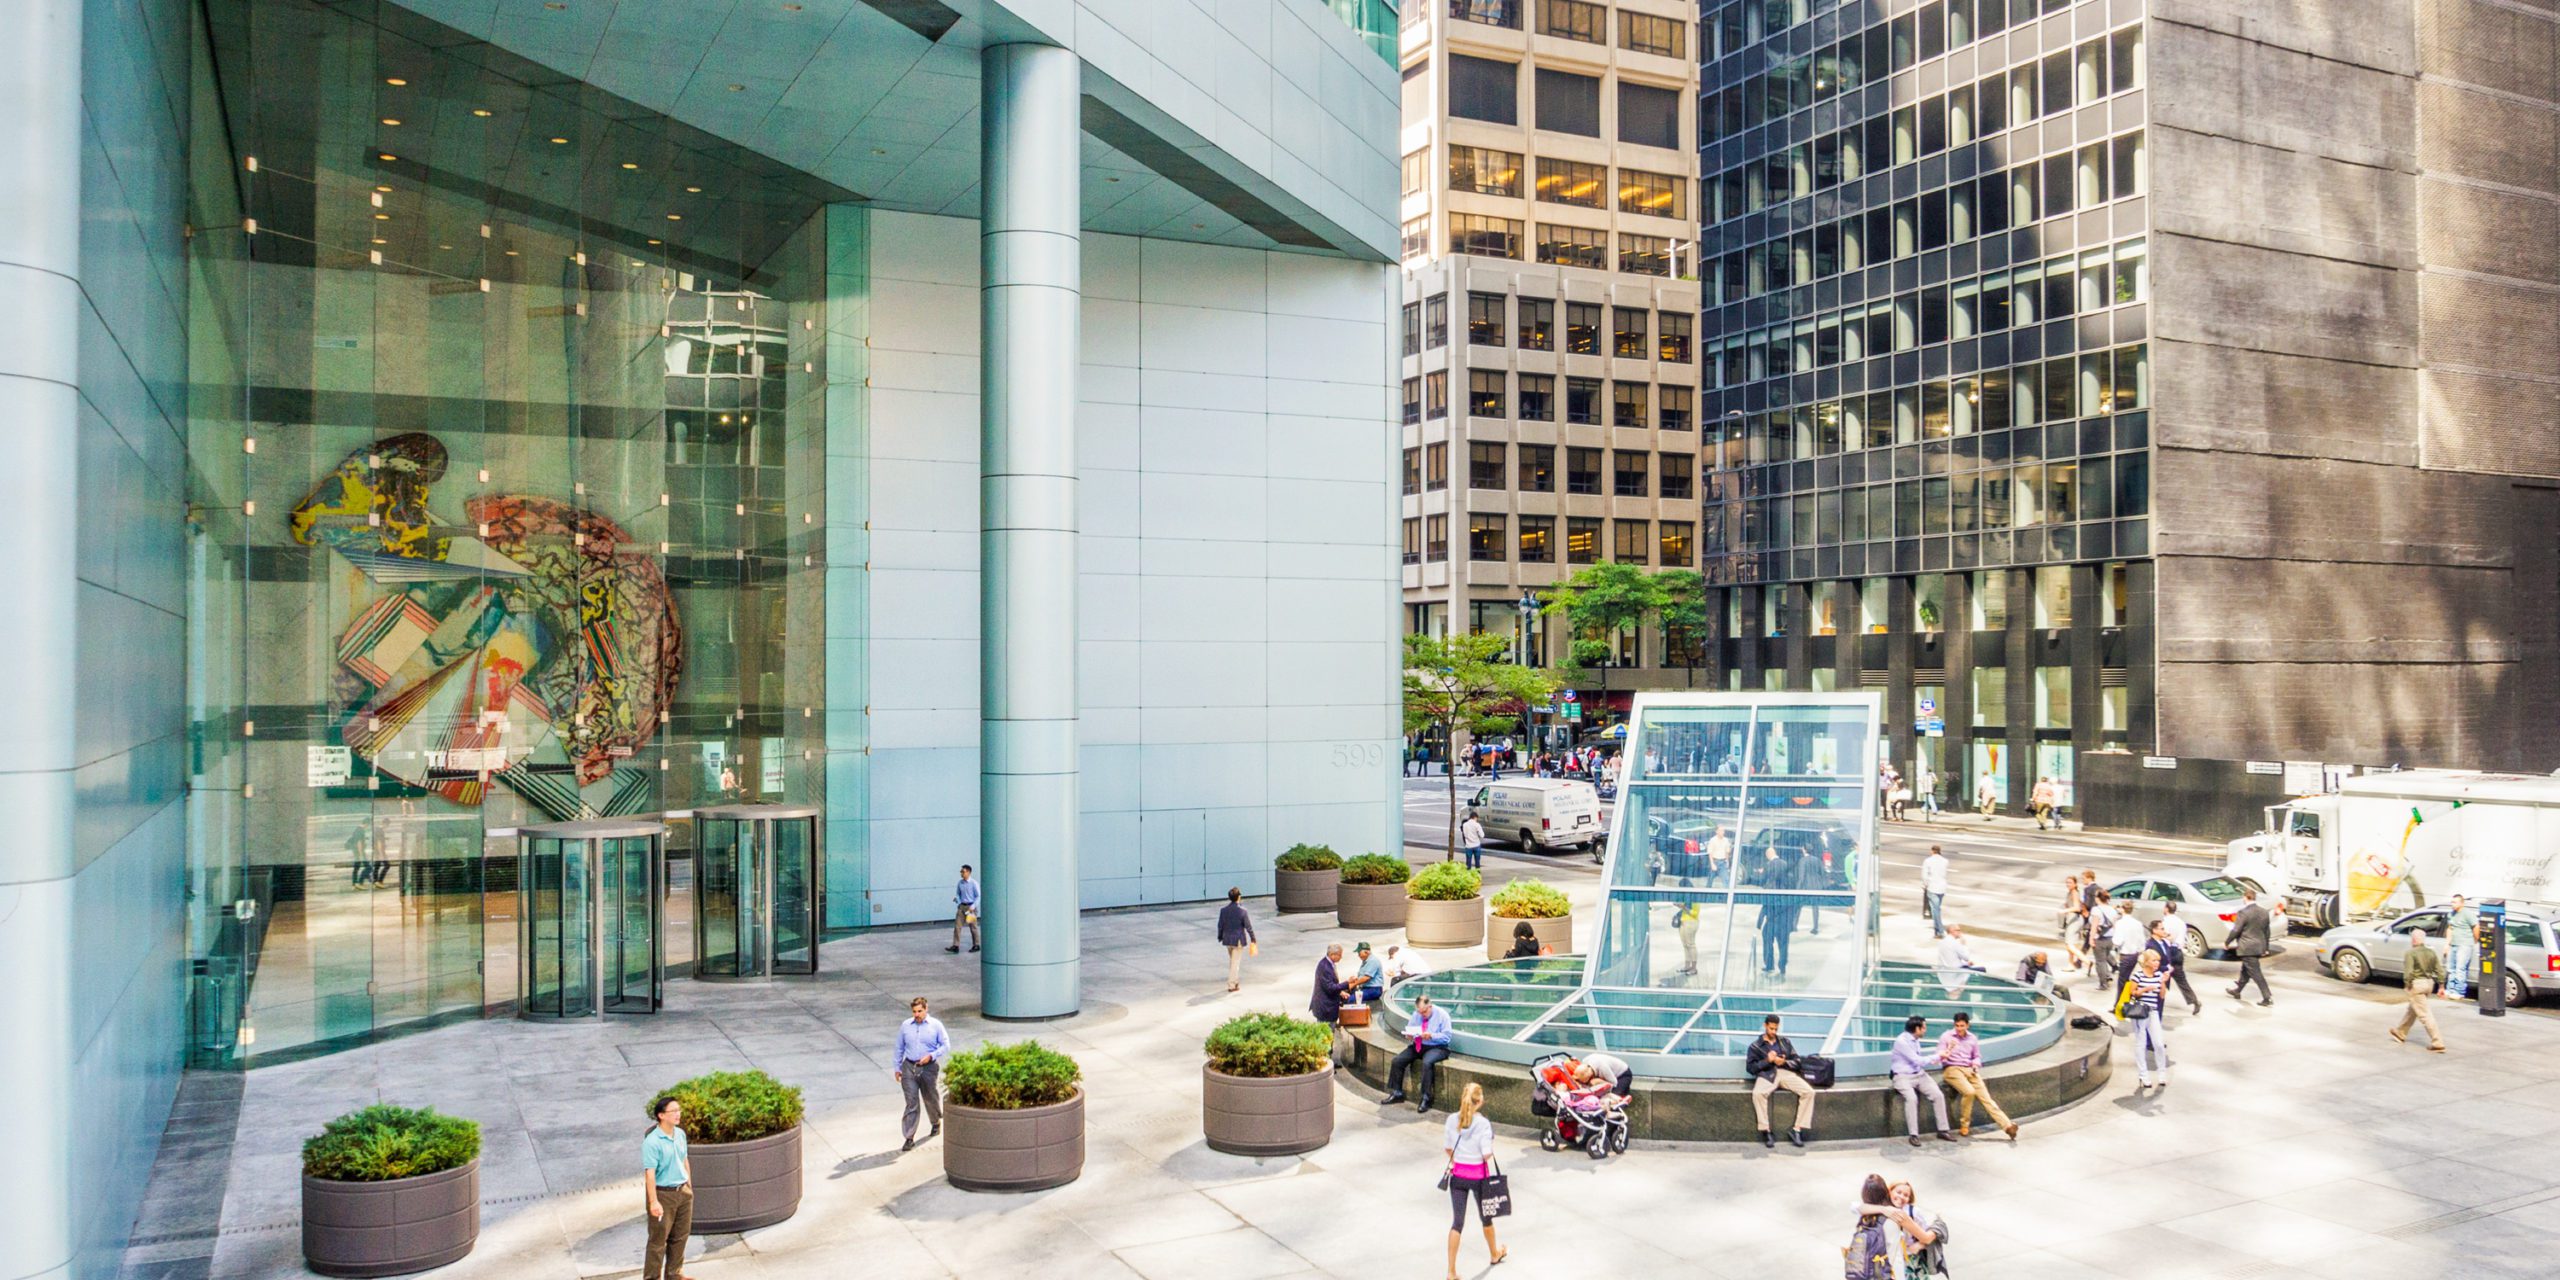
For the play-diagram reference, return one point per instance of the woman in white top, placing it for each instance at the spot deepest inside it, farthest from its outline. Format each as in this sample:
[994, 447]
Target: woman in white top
[1469, 1147]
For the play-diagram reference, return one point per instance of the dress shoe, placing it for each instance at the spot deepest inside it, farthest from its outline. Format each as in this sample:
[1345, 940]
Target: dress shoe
[1392, 1098]
[1424, 1105]
[973, 948]
[954, 948]
[906, 1146]
[1944, 1136]
[1800, 1136]
[2266, 1004]
[1768, 1140]
[1915, 1139]
[2010, 1129]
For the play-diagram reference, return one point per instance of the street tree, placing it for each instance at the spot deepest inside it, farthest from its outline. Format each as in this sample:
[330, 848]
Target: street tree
[1598, 602]
[1683, 613]
[1465, 681]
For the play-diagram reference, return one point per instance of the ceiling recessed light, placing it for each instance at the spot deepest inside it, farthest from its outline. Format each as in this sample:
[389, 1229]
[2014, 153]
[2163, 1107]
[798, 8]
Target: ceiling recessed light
[390, 121]
[482, 112]
[628, 165]
[675, 217]
[695, 190]
[380, 240]
[382, 188]
[444, 246]
[382, 217]
[395, 80]
[386, 156]
[653, 242]
[562, 142]
[511, 253]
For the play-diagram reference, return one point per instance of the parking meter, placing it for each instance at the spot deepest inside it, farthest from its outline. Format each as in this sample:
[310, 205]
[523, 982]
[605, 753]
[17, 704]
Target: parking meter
[2489, 981]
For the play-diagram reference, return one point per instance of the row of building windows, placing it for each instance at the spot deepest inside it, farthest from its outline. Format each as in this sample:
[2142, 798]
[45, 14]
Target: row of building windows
[2090, 387]
[1489, 172]
[2056, 289]
[2059, 81]
[1490, 465]
[1881, 48]
[1573, 20]
[1559, 244]
[1488, 90]
[1630, 404]
[1668, 543]
[1991, 497]
[1426, 326]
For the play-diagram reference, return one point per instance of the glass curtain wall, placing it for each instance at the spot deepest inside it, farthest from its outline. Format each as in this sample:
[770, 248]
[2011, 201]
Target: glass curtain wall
[495, 383]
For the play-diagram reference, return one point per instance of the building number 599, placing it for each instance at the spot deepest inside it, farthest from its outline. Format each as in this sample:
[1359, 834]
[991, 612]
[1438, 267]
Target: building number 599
[1358, 754]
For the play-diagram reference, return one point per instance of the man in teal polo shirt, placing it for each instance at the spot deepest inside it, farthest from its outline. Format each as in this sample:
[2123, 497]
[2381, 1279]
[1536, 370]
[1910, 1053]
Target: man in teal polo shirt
[666, 1188]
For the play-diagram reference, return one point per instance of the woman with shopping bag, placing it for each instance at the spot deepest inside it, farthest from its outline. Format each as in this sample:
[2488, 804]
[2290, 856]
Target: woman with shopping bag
[1473, 1172]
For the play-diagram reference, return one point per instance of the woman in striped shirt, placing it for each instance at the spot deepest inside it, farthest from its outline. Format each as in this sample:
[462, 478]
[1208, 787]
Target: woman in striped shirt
[2141, 1004]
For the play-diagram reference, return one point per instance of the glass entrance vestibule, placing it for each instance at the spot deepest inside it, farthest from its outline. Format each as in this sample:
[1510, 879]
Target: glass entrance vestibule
[759, 891]
[590, 918]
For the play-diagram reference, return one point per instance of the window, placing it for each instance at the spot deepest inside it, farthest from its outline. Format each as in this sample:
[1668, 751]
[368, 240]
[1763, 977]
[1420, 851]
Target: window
[1633, 471]
[1679, 474]
[1565, 182]
[1484, 172]
[1435, 538]
[1537, 468]
[1582, 328]
[1569, 103]
[1634, 539]
[1412, 472]
[1484, 89]
[1658, 194]
[1676, 536]
[1435, 467]
[2056, 75]
[1417, 168]
[1674, 408]
[1435, 321]
[1582, 540]
[2132, 172]
[1644, 255]
[1645, 33]
[1488, 535]
[1484, 236]
[1573, 20]
[2132, 273]
[2124, 60]
[1413, 328]
[1412, 401]
[1627, 404]
[1537, 397]
[1630, 332]
[1538, 324]
[1647, 116]
[1413, 540]
[1674, 346]
[1582, 472]
[1484, 319]
[1484, 393]
[1582, 403]
[1417, 237]
[1435, 394]
[1537, 539]
[1492, 13]
[1573, 246]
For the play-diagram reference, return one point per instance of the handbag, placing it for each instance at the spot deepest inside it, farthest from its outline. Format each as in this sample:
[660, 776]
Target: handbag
[1493, 1200]
[1817, 1070]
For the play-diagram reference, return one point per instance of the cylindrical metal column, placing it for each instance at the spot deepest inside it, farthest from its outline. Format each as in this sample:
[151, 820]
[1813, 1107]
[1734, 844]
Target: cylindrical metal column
[1029, 246]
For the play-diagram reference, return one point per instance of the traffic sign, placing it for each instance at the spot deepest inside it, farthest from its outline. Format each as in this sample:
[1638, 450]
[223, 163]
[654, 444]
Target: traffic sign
[1928, 706]
[1570, 696]
[1572, 711]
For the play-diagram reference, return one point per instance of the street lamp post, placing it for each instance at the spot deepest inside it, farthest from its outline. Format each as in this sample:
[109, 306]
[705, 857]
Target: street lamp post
[1528, 609]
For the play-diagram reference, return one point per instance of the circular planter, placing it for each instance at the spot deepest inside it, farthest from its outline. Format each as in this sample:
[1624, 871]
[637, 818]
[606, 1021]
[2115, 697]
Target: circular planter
[1370, 906]
[390, 1228]
[1028, 1150]
[1250, 1116]
[739, 1186]
[1555, 934]
[1300, 891]
[1444, 924]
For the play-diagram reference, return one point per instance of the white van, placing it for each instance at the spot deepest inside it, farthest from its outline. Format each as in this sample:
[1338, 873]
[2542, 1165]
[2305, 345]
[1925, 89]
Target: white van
[1541, 815]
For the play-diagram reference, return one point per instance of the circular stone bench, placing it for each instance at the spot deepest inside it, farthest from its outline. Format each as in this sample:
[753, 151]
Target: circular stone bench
[2056, 1076]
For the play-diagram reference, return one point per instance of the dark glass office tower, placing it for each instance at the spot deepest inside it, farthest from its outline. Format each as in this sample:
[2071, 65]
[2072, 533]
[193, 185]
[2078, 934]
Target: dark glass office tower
[2281, 501]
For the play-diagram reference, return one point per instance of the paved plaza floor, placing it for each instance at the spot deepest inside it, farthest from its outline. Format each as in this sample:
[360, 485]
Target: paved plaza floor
[2294, 1141]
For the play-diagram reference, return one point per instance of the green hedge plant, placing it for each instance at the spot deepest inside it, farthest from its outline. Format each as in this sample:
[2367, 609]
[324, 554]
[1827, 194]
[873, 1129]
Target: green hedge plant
[1376, 868]
[1010, 1077]
[1531, 900]
[1308, 857]
[383, 1143]
[735, 1106]
[1269, 1045]
[1446, 882]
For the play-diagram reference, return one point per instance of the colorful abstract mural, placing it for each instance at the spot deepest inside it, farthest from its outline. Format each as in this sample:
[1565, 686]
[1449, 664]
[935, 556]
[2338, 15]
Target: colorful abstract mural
[530, 644]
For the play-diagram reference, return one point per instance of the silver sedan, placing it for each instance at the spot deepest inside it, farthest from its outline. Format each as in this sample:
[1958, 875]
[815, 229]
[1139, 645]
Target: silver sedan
[2206, 900]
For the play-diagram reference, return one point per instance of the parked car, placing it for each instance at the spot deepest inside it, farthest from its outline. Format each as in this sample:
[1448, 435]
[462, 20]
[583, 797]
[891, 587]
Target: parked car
[2206, 898]
[2359, 952]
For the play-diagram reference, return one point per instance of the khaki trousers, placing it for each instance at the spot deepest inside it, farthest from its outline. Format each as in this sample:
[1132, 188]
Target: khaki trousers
[667, 1234]
[2419, 990]
[1966, 1082]
[1792, 1083]
[960, 919]
[1235, 965]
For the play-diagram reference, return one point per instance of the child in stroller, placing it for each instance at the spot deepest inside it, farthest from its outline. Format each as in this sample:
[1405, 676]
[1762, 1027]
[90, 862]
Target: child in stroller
[1589, 1113]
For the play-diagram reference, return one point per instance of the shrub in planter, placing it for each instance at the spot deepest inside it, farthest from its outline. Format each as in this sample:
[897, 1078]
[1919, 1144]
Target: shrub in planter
[1305, 878]
[1267, 1088]
[1548, 912]
[1372, 893]
[390, 1190]
[1445, 910]
[1013, 1118]
[743, 1129]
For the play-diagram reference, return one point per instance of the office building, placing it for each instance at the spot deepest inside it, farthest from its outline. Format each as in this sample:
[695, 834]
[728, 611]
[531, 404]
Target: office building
[1550, 292]
[2154, 380]
[433, 419]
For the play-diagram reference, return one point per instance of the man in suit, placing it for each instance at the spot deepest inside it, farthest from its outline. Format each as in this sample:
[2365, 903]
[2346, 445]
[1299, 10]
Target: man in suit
[1331, 990]
[2250, 930]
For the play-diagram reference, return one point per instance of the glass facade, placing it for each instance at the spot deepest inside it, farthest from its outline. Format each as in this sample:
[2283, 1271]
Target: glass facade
[509, 433]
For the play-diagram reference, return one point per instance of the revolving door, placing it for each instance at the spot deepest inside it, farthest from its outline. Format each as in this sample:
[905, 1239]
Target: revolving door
[589, 919]
[759, 891]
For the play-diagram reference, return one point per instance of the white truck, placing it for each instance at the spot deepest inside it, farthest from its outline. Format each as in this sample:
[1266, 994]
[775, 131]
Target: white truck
[2389, 842]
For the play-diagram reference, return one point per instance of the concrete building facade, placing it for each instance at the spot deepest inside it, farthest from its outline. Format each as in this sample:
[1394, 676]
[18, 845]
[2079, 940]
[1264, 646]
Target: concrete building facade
[2113, 379]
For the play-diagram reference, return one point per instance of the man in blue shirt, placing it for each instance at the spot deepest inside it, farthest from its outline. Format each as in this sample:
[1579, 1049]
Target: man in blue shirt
[1429, 1035]
[922, 1046]
[965, 916]
[666, 1191]
[1371, 980]
[1909, 1070]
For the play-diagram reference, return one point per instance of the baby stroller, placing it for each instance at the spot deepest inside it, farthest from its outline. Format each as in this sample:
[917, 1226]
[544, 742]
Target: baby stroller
[1592, 1121]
